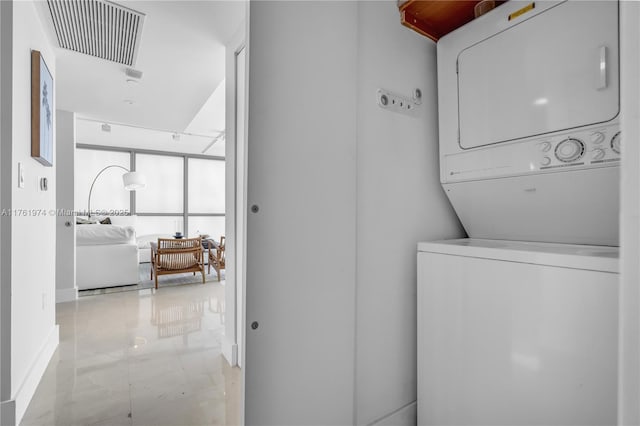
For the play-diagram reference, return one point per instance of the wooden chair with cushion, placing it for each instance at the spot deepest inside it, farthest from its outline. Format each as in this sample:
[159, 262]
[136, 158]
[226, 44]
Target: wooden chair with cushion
[172, 256]
[216, 256]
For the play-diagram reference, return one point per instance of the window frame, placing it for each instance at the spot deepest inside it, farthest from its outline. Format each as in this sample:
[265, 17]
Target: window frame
[185, 158]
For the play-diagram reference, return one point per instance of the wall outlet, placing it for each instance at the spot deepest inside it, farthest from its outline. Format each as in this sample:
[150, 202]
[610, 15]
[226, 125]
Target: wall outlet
[20, 175]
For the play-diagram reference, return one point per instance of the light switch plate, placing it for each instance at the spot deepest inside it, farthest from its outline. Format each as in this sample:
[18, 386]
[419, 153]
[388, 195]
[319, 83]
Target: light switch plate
[20, 175]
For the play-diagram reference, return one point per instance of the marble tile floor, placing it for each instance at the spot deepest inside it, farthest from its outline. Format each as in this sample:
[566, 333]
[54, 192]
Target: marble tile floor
[151, 357]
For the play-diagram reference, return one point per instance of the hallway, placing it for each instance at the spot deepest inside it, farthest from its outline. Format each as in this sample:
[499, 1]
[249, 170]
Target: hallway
[140, 358]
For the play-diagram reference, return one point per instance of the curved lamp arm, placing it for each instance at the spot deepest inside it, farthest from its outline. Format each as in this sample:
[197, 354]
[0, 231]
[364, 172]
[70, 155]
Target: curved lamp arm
[94, 182]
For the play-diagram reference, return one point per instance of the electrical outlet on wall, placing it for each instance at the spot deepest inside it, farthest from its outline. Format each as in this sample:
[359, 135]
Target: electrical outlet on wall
[397, 103]
[20, 175]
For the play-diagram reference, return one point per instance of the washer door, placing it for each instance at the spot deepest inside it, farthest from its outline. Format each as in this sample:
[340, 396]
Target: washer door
[555, 71]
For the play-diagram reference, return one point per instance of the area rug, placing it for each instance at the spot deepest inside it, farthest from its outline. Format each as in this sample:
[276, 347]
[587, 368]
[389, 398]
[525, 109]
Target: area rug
[163, 281]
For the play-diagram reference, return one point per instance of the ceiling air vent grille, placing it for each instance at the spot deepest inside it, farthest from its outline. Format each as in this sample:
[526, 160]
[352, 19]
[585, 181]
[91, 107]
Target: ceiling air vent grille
[98, 28]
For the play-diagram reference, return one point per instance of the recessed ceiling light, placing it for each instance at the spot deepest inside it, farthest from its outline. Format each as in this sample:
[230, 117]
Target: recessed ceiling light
[132, 81]
[128, 102]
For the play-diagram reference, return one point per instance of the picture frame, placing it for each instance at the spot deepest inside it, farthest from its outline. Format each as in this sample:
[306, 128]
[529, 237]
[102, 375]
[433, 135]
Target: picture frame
[42, 110]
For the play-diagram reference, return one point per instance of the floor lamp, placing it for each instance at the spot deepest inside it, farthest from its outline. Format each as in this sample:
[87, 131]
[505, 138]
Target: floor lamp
[131, 180]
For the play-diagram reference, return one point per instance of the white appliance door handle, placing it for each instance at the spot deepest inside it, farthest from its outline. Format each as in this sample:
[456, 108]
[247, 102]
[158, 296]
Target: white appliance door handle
[602, 64]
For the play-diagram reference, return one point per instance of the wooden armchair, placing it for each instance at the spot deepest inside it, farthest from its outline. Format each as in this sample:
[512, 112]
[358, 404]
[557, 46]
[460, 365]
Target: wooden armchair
[172, 256]
[216, 256]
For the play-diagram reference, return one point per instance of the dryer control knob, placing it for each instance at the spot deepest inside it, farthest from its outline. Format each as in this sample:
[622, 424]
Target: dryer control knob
[615, 143]
[545, 146]
[545, 161]
[598, 154]
[597, 137]
[569, 150]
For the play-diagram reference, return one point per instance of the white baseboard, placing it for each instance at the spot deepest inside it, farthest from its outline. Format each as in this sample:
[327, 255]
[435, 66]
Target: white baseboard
[405, 416]
[230, 351]
[66, 295]
[28, 387]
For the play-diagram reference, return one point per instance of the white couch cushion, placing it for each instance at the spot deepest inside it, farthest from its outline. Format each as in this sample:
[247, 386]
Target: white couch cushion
[91, 235]
[144, 241]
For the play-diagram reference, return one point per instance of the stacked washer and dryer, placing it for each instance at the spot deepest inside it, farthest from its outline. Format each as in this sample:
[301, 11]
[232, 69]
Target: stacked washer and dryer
[517, 324]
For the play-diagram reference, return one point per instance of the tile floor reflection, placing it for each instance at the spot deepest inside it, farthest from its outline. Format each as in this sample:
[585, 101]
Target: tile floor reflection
[151, 357]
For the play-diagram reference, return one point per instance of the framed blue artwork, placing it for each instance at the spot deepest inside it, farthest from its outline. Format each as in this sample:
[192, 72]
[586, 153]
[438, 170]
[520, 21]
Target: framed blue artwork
[41, 110]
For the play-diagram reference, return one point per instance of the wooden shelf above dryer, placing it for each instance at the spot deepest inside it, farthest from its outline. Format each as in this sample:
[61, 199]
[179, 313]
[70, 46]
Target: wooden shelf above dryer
[436, 18]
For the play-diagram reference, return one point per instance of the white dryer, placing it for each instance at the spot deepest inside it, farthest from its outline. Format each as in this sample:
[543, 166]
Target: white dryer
[529, 130]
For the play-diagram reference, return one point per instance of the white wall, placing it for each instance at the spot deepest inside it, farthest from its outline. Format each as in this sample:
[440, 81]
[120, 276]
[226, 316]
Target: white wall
[345, 190]
[34, 334]
[400, 202]
[7, 407]
[629, 369]
[1, 310]
[65, 224]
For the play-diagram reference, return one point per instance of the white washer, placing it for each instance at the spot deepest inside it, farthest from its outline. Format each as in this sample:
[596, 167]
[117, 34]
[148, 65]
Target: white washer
[515, 333]
[528, 99]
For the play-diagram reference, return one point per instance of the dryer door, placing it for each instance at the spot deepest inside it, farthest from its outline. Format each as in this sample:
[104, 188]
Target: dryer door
[554, 71]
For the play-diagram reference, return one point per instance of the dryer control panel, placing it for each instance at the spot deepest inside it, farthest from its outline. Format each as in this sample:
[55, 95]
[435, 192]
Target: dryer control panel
[595, 146]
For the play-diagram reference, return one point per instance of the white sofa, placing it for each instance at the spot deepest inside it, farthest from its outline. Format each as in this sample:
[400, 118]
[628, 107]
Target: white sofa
[106, 256]
[143, 241]
[144, 245]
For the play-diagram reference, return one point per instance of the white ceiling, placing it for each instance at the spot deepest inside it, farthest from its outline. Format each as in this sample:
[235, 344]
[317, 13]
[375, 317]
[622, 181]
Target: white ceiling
[210, 120]
[182, 57]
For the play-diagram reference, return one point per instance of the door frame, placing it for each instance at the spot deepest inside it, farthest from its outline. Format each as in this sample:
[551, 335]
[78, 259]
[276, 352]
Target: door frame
[234, 289]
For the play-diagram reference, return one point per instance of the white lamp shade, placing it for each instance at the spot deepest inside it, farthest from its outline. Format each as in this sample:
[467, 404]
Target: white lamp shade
[133, 181]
